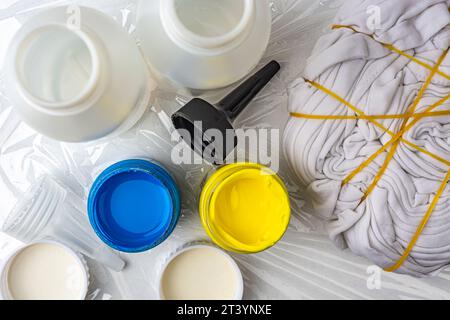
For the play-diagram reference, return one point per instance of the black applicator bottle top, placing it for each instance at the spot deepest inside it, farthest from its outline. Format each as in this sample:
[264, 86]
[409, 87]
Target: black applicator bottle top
[199, 117]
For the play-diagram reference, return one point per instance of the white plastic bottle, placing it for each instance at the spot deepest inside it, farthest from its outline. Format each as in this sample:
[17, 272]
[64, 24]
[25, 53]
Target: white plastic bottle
[76, 75]
[203, 44]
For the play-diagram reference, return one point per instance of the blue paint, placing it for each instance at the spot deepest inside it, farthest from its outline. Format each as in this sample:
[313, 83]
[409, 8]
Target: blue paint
[134, 205]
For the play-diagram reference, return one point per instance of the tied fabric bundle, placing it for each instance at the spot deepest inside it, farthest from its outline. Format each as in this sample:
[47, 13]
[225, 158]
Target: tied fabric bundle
[369, 133]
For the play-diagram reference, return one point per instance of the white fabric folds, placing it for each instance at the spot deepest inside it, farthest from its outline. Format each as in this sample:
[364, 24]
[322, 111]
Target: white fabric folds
[378, 81]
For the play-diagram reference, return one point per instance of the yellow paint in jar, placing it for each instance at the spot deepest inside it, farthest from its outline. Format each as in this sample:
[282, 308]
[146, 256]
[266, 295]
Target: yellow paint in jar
[245, 207]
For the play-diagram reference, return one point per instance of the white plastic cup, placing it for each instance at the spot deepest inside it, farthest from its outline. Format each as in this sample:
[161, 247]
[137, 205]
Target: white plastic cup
[75, 75]
[81, 274]
[203, 44]
[49, 212]
[234, 268]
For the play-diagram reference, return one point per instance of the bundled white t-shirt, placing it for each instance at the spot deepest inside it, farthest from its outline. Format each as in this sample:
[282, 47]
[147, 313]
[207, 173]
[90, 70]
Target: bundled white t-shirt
[371, 76]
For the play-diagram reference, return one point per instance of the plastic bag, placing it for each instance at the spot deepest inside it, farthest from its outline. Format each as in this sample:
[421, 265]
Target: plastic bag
[304, 265]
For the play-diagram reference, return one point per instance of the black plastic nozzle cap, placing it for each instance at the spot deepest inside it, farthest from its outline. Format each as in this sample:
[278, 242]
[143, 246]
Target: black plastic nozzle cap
[208, 128]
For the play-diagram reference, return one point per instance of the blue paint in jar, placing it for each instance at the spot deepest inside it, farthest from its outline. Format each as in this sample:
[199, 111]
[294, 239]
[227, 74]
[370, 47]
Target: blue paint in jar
[134, 205]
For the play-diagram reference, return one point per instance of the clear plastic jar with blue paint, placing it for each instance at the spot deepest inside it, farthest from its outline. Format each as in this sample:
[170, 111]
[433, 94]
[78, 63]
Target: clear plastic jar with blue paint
[134, 205]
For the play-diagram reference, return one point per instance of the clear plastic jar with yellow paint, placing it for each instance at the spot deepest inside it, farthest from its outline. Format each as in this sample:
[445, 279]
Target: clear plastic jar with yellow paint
[244, 207]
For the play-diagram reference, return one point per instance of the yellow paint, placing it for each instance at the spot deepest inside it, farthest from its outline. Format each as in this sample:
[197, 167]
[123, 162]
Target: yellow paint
[244, 207]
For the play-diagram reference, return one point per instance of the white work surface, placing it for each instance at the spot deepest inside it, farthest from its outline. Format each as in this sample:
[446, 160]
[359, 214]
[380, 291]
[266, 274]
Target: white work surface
[304, 265]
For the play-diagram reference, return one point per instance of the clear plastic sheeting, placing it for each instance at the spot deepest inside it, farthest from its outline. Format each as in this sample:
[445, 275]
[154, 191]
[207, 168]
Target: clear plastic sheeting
[304, 265]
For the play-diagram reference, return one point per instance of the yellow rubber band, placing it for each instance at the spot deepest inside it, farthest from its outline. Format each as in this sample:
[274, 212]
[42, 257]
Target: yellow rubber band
[411, 110]
[377, 124]
[380, 173]
[395, 141]
[389, 143]
[420, 115]
[419, 62]
[421, 227]
[393, 48]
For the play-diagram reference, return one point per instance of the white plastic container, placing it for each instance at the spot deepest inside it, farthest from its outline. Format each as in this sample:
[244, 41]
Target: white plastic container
[200, 272]
[49, 212]
[203, 44]
[75, 75]
[44, 270]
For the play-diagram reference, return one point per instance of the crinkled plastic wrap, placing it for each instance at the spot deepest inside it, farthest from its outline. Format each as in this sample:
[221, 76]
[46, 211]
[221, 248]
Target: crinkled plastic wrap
[304, 265]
